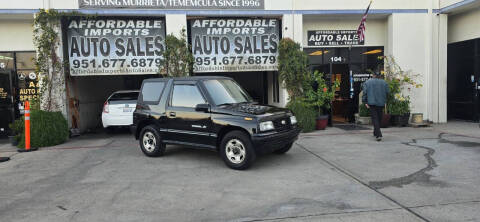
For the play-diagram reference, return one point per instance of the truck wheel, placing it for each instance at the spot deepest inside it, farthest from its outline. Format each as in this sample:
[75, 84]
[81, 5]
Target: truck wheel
[284, 149]
[150, 142]
[237, 150]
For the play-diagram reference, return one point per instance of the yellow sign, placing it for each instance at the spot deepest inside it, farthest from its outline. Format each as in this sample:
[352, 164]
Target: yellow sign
[31, 92]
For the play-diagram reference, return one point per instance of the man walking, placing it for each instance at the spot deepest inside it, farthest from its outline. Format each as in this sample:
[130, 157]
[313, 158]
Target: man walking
[374, 97]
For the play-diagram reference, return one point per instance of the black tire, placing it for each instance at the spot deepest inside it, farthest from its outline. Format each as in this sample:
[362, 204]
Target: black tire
[152, 147]
[110, 130]
[240, 154]
[284, 149]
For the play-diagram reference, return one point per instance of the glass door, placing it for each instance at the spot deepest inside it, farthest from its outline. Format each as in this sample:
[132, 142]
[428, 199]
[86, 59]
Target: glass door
[6, 102]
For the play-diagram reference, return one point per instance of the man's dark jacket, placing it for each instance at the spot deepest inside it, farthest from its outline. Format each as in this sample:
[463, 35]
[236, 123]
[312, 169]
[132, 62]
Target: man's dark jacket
[375, 92]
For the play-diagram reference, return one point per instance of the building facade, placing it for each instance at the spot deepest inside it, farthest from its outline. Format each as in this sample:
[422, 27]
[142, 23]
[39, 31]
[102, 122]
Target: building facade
[119, 47]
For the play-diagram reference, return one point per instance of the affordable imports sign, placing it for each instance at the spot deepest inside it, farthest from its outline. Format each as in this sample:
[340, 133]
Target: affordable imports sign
[174, 4]
[333, 38]
[235, 45]
[109, 46]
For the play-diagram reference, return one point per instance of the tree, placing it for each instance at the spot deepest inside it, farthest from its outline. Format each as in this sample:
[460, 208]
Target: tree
[292, 67]
[177, 57]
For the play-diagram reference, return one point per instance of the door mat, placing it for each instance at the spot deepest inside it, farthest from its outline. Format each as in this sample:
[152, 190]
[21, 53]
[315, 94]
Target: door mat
[349, 127]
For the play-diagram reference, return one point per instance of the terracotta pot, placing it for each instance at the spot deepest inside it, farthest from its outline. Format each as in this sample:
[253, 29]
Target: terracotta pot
[322, 122]
[385, 120]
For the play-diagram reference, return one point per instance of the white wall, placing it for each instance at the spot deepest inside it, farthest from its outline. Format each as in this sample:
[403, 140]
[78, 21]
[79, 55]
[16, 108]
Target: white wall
[279, 4]
[269, 4]
[359, 4]
[16, 35]
[63, 4]
[464, 26]
[175, 23]
[23, 4]
[408, 45]
[375, 32]
[439, 70]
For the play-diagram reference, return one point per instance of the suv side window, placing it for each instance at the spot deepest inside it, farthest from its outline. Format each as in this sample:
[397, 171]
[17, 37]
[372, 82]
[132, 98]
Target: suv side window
[186, 96]
[151, 91]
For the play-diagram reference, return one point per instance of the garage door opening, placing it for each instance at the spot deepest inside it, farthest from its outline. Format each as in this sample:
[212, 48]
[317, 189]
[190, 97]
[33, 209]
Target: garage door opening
[255, 83]
[88, 94]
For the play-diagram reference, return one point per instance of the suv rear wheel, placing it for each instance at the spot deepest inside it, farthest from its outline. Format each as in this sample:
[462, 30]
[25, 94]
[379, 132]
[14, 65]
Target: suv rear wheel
[237, 150]
[150, 142]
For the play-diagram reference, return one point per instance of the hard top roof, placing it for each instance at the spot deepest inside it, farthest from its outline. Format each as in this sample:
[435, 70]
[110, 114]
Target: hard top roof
[188, 78]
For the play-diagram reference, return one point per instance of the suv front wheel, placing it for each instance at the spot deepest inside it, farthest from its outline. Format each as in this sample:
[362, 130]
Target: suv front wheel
[237, 150]
[150, 142]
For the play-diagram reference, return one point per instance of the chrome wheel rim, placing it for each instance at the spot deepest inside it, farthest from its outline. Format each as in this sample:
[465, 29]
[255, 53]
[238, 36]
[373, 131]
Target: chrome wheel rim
[235, 151]
[149, 141]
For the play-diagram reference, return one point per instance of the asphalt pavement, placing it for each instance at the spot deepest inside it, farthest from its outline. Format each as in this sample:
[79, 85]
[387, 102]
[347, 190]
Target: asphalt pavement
[415, 174]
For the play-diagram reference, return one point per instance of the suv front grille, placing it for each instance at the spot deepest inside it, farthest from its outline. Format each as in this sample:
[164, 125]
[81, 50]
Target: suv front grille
[282, 124]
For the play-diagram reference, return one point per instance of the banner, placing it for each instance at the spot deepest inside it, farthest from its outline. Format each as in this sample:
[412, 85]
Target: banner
[235, 45]
[333, 38]
[174, 4]
[109, 46]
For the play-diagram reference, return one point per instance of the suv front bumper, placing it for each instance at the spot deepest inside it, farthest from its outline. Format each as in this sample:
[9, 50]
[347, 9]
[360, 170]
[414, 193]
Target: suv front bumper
[269, 142]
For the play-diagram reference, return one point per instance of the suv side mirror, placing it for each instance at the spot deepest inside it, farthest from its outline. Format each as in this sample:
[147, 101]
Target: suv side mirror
[202, 107]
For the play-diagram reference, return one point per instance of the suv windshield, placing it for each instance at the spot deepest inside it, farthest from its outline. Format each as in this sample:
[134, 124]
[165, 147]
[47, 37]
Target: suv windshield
[226, 91]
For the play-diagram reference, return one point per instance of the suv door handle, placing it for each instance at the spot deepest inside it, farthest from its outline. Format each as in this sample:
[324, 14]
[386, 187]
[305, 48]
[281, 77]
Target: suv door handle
[172, 114]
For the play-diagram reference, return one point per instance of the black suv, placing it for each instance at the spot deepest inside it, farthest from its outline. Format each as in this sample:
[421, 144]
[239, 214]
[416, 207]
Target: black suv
[213, 113]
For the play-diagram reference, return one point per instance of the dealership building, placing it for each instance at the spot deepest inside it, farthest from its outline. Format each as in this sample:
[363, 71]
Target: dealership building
[120, 46]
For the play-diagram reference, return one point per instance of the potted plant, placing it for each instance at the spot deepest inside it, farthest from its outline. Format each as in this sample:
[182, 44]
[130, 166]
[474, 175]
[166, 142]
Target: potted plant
[399, 82]
[363, 115]
[319, 95]
[13, 139]
[399, 109]
[14, 128]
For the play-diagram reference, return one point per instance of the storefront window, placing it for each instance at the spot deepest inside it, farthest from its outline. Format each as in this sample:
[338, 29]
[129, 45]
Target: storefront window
[27, 78]
[351, 67]
[6, 60]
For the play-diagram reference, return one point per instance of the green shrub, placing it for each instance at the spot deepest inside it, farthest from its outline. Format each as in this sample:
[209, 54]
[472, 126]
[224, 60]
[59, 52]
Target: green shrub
[306, 115]
[46, 129]
[363, 111]
[399, 107]
[292, 66]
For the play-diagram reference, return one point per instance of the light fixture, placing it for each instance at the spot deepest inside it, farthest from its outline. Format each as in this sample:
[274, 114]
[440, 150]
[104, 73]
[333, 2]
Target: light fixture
[318, 53]
[371, 52]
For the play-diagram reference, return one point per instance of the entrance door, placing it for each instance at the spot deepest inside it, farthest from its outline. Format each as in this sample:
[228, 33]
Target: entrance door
[463, 80]
[6, 102]
[342, 104]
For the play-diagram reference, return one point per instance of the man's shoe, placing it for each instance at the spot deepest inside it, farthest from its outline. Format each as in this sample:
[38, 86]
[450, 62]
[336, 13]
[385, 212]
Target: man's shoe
[379, 138]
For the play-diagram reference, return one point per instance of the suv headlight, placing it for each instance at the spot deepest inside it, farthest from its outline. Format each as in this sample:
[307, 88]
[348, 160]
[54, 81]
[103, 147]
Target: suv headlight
[293, 120]
[265, 126]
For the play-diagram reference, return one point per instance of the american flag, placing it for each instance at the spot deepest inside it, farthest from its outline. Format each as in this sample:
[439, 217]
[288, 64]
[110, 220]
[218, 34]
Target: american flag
[361, 28]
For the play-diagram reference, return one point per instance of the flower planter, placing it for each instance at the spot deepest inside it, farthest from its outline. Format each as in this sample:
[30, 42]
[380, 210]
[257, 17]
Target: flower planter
[417, 118]
[385, 121]
[12, 140]
[364, 120]
[322, 122]
[400, 120]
